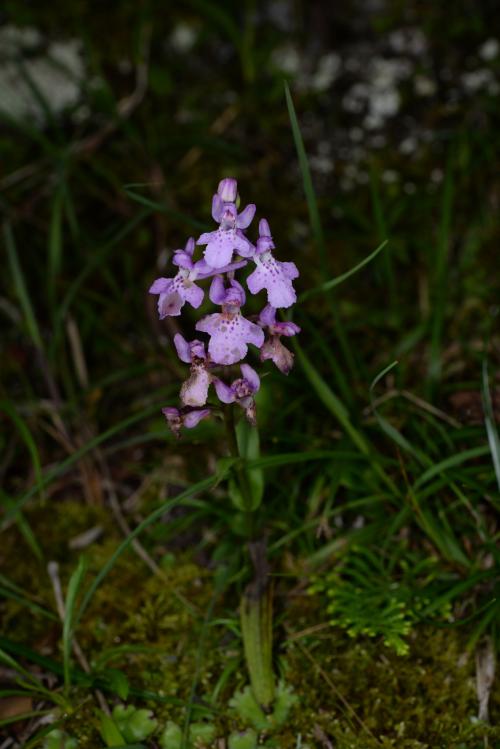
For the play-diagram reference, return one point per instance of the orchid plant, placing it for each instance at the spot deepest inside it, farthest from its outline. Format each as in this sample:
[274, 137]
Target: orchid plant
[232, 337]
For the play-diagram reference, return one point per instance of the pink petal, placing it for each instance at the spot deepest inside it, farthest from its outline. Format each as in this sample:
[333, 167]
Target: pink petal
[183, 348]
[208, 324]
[253, 333]
[280, 355]
[264, 228]
[182, 259]
[224, 392]
[219, 250]
[256, 281]
[193, 418]
[160, 285]
[228, 189]
[267, 316]
[193, 294]
[244, 246]
[217, 207]
[170, 412]
[269, 275]
[206, 237]
[170, 304]
[217, 290]
[281, 294]
[235, 294]
[197, 349]
[245, 218]
[286, 328]
[250, 376]
[290, 270]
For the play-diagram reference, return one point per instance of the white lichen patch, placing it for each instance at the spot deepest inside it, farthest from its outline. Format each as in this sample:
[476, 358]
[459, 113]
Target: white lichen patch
[38, 77]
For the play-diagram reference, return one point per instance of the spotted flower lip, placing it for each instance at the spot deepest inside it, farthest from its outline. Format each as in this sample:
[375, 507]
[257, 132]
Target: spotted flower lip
[230, 333]
[271, 274]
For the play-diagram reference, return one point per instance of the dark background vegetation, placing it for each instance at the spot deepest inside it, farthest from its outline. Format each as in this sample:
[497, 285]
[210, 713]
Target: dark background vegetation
[117, 121]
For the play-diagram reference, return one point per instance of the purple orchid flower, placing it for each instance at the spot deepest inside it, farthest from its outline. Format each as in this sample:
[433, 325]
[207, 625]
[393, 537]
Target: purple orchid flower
[241, 391]
[175, 292]
[194, 391]
[273, 348]
[270, 274]
[185, 417]
[221, 243]
[229, 331]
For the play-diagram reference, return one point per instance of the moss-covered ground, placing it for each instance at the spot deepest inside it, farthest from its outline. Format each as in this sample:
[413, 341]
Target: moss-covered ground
[352, 693]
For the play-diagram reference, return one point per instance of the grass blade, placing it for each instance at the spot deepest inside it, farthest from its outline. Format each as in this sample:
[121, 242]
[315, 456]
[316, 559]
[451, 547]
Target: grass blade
[328, 285]
[388, 428]
[451, 462]
[489, 421]
[10, 590]
[378, 213]
[55, 243]
[312, 204]
[317, 230]
[20, 287]
[154, 205]
[440, 281]
[74, 585]
[336, 407]
[23, 525]
[28, 440]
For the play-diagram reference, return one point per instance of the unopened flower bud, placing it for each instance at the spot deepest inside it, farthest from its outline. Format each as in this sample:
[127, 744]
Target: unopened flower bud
[228, 190]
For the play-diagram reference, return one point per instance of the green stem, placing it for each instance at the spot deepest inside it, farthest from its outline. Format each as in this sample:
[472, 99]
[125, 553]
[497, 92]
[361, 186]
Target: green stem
[257, 627]
[241, 473]
[257, 601]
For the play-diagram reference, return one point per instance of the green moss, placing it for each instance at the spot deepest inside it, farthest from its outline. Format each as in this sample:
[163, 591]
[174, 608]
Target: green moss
[356, 692]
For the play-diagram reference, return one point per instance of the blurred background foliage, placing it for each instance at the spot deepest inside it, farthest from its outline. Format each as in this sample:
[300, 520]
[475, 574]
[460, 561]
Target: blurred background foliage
[117, 121]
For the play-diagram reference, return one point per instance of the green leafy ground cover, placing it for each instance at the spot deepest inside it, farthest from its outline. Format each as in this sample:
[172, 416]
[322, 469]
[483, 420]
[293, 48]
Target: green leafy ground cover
[381, 499]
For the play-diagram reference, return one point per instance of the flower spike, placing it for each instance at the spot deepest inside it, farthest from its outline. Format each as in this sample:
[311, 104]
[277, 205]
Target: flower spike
[230, 333]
